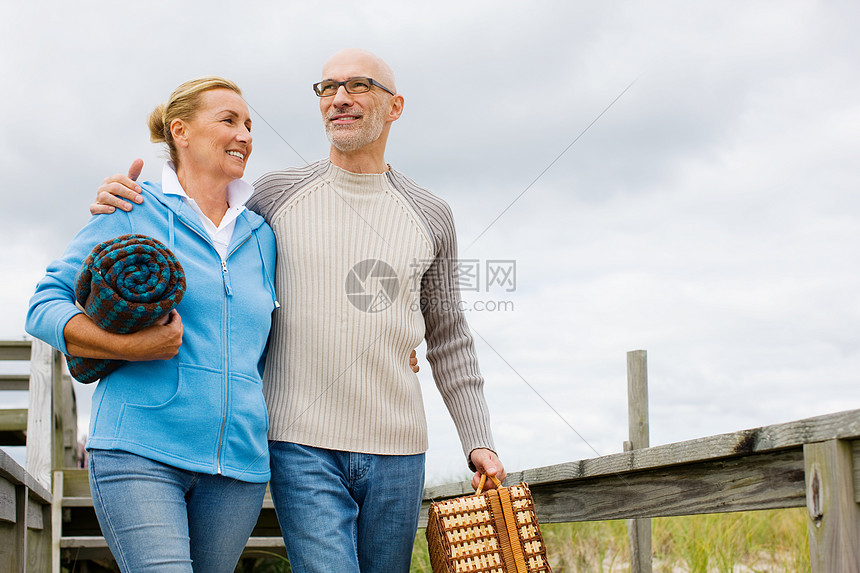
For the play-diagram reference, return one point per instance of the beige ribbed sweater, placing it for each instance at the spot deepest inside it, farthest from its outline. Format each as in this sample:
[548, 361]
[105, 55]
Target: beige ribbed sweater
[364, 274]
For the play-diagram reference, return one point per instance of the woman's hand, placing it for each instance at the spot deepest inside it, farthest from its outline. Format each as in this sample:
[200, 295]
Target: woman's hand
[161, 341]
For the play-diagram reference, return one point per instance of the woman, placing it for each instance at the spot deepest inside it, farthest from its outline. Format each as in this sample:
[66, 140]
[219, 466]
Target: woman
[178, 459]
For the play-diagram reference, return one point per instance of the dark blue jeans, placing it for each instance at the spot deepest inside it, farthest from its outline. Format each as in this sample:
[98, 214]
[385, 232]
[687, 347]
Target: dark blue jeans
[156, 517]
[346, 512]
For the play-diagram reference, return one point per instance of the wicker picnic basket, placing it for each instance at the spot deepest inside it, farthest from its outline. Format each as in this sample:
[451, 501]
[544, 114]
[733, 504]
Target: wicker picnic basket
[491, 532]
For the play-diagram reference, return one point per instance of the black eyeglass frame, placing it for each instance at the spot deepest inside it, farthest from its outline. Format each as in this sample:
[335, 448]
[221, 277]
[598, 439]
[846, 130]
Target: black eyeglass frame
[344, 83]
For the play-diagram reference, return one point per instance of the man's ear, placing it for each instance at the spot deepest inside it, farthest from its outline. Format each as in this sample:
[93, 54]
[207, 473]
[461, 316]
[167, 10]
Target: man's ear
[396, 107]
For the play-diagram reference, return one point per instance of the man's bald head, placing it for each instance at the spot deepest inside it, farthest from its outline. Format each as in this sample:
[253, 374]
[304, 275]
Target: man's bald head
[354, 62]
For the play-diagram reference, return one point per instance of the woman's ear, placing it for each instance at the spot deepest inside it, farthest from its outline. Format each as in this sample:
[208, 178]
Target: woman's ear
[179, 132]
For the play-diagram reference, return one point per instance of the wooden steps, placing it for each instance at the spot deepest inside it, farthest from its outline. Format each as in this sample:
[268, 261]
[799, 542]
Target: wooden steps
[13, 421]
[77, 533]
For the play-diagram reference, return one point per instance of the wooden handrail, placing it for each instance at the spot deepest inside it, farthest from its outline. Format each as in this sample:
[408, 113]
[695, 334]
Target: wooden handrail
[761, 468]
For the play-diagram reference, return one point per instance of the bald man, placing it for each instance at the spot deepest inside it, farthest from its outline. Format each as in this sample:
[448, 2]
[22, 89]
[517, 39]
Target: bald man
[365, 273]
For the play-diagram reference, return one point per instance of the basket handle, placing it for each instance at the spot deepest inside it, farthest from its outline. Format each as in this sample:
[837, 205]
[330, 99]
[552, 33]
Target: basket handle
[484, 480]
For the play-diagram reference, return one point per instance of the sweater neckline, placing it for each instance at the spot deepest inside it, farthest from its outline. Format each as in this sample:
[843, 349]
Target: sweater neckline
[370, 181]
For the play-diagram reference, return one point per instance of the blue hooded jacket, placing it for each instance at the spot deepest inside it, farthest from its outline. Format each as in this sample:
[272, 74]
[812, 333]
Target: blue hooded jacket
[203, 410]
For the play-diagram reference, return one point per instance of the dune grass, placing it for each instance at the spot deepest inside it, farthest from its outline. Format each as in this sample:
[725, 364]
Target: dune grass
[756, 541]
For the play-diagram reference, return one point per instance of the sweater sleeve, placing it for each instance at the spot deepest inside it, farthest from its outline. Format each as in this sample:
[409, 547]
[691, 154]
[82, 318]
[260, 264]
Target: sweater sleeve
[450, 346]
[53, 304]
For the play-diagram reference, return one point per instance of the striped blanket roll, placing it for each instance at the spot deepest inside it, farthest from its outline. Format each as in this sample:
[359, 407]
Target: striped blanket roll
[125, 285]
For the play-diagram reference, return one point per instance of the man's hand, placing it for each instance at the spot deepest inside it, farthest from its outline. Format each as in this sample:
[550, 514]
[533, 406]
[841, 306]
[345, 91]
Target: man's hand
[116, 188]
[486, 462]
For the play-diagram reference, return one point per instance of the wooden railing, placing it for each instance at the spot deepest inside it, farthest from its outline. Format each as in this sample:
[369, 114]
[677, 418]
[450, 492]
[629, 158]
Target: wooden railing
[25, 519]
[48, 427]
[813, 463]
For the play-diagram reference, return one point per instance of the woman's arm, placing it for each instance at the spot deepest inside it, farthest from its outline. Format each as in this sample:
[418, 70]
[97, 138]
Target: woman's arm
[160, 341]
[54, 318]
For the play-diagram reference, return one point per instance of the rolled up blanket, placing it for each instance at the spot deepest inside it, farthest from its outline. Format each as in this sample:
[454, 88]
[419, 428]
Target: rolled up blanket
[125, 285]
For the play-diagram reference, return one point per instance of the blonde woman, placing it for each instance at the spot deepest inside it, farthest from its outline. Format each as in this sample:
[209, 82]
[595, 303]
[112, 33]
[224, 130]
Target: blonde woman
[177, 443]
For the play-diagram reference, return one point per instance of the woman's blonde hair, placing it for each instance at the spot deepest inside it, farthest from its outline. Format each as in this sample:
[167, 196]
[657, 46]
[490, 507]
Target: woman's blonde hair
[182, 104]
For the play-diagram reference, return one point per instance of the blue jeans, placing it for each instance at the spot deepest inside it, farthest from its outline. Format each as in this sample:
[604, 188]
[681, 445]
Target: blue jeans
[345, 511]
[156, 517]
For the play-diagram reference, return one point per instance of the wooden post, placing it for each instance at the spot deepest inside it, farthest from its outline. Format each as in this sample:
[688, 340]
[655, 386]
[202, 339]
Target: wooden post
[40, 418]
[22, 500]
[638, 530]
[67, 417]
[834, 515]
[56, 521]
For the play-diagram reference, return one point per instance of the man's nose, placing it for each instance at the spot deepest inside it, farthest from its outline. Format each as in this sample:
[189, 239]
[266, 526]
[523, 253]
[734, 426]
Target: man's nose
[342, 97]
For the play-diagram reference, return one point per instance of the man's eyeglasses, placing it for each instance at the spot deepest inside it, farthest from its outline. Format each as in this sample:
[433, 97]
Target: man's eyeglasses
[353, 86]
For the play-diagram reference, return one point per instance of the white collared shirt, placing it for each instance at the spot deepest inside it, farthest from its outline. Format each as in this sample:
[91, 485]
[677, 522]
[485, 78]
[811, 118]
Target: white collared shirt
[238, 193]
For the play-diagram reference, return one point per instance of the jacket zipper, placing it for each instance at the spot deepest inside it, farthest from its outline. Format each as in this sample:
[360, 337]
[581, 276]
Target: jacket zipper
[226, 378]
[228, 291]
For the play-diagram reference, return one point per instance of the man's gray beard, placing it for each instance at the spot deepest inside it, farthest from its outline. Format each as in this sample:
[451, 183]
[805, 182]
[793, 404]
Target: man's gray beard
[346, 141]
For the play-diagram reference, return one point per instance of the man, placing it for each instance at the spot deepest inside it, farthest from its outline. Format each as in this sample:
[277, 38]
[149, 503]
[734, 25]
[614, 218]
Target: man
[365, 272]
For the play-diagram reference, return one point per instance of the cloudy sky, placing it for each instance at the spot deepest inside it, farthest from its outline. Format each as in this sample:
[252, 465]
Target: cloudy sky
[710, 215]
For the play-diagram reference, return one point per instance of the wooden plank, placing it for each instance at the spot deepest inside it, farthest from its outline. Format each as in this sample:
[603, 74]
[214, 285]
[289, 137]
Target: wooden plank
[7, 501]
[13, 420]
[762, 481]
[77, 501]
[56, 413]
[83, 548]
[84, 542]
[14, 382]
[16, 475]
[15, 350]
[39, 545]
[842, 425]
[21, 502]
[259, 542]
[57, 521]
[68, 418]
[76, 483]
[34, 515]
[8, 556]
[637, 399]
[855, 450]
[91, 541]
[40, 423]
[834, 516]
